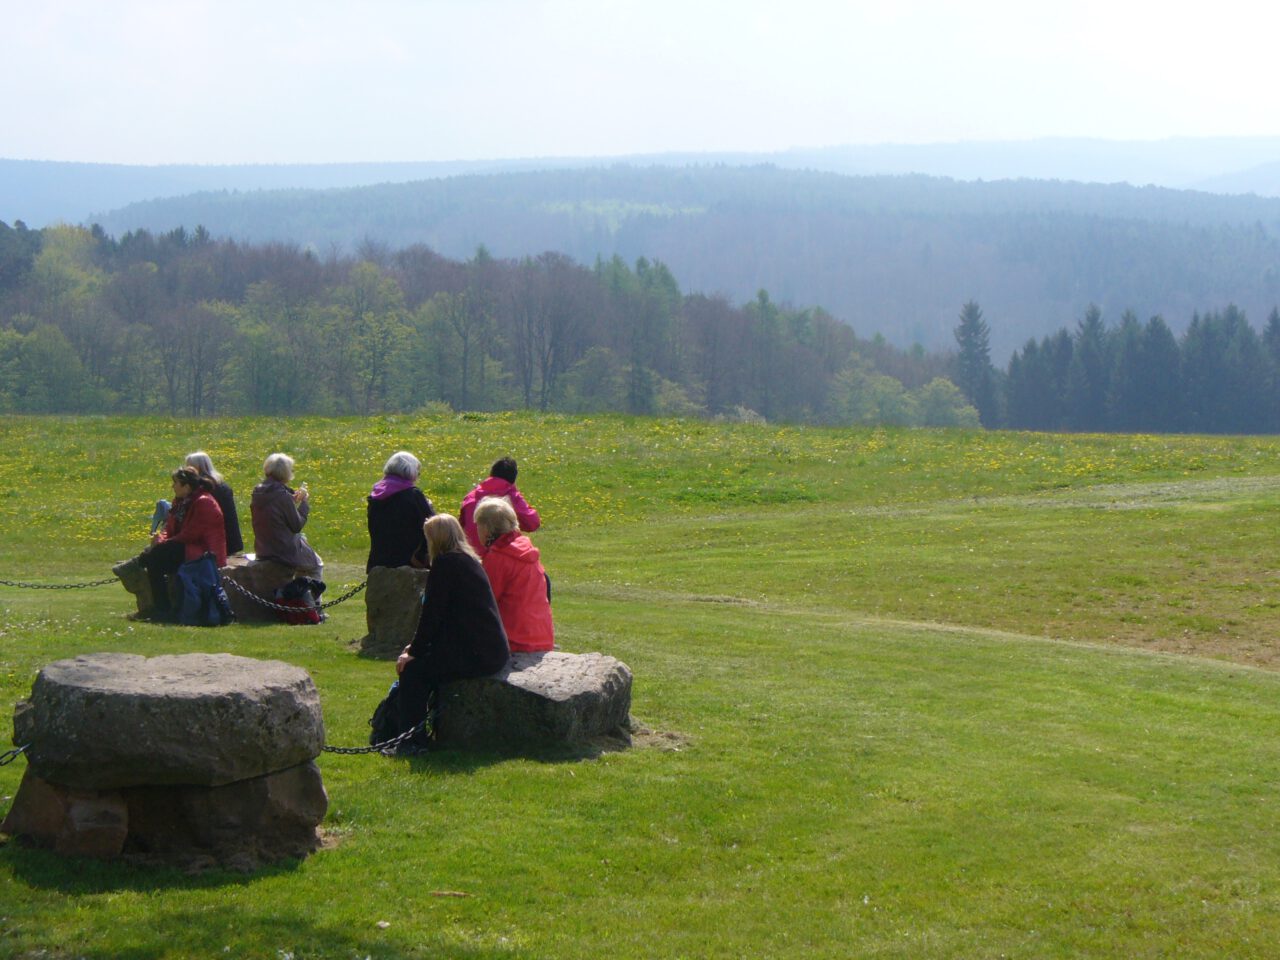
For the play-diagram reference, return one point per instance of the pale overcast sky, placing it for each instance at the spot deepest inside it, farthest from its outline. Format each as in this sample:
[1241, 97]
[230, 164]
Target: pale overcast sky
[231, 81]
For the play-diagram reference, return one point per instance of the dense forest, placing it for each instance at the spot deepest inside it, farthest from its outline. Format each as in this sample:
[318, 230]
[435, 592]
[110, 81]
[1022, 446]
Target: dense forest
[894, 255]
[181, 323]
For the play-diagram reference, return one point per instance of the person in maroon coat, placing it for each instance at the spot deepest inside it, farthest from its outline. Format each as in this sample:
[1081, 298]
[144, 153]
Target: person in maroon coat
[193, 528]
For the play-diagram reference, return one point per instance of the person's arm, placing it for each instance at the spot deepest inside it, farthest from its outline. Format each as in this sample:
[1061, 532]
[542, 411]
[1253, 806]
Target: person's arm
[292, 514]
[434, 600]
[496, 570]
[528, 517]
[203, 513]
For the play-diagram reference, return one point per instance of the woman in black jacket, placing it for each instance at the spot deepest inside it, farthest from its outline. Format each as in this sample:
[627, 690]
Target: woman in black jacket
[226, 498]
[459, 632]
[397, 511]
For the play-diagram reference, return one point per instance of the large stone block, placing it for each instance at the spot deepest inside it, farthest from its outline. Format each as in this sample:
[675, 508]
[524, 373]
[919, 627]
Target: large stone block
[111, 720]
[244, 823]
[392, 604]
[239, 825]
[539, 701]
[262, 578]
[78, 823]
[135, 580]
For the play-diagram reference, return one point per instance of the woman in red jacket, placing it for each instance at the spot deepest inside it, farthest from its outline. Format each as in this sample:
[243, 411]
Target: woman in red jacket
[194, 527]
[516, 575]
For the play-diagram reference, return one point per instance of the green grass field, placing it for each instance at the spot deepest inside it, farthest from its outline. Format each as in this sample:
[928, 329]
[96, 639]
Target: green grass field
[912, 694]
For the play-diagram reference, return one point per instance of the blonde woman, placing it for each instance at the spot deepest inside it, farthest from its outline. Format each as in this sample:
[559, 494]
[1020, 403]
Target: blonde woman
[516, 576]
[459, 631]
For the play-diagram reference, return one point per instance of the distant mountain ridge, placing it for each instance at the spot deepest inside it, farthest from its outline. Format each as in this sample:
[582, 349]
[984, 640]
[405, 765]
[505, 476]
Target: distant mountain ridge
[895, 255]
[42, 192]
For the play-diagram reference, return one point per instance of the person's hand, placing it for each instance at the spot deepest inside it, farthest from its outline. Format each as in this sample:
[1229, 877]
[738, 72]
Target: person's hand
[402, 661]
[300, 494]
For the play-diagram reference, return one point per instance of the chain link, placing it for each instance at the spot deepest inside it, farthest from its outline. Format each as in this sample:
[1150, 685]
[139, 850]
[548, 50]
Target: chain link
[376, 748]
[284, 608]
[346, 596]
[11, 755]
[57, 586]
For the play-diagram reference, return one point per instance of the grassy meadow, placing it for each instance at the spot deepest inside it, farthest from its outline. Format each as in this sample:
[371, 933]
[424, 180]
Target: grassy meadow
[909, 693]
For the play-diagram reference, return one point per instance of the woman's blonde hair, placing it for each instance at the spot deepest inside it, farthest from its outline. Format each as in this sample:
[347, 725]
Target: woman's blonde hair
[444, 535]
[496, 516]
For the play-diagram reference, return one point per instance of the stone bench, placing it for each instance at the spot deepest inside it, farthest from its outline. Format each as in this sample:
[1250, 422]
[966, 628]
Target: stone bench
[392, 605]
[539, 702]
[260, 577]
[196, 760]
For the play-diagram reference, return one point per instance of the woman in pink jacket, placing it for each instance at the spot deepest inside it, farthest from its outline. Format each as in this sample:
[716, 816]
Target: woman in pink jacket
[516, 575]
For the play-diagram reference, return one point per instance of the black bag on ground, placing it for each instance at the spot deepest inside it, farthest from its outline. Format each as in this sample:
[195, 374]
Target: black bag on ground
[386, 717]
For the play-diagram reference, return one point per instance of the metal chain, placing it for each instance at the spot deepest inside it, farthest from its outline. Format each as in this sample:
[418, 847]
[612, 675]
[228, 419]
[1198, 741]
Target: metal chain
[375, 748]
[57, 586]
[11, 755]
[283, 608]
[346, 596]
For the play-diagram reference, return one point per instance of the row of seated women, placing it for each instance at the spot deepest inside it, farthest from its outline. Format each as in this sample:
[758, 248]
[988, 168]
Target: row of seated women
[202, 519]
[487, 595]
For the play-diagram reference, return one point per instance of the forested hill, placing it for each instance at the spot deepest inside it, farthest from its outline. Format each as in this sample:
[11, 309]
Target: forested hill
[889, 255]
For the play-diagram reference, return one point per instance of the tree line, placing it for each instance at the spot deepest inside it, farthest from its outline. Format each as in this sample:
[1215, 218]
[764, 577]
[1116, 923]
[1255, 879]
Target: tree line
[893, 254]
[1219, 376]
[181, 323]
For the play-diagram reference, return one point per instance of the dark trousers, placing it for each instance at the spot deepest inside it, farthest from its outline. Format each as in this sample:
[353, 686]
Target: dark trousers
[417, 691]
[162, 561]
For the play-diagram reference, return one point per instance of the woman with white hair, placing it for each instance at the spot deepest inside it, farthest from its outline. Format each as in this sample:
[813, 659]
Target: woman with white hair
[396, 512]
[226, 498]
[279, 514]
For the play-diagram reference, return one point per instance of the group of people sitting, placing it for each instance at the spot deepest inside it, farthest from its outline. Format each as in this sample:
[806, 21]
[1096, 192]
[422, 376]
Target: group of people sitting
[487, 594]
[202, 519]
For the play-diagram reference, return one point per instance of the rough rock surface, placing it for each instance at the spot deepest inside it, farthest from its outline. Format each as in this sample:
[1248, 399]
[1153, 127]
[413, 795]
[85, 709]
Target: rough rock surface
[539, 701]
[392, 603]
[111, 720]
[240, 825]
[135, 580]
[261, 578]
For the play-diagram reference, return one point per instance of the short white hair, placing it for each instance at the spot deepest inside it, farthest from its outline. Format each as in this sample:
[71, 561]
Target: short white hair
[403, 464]
[278, 466]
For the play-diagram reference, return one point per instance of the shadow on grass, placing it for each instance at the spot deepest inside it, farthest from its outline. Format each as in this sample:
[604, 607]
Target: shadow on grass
[215, 931]
[44, 869]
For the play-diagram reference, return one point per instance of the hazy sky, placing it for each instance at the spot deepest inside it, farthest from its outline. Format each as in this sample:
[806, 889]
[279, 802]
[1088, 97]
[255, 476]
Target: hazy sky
[227, 81]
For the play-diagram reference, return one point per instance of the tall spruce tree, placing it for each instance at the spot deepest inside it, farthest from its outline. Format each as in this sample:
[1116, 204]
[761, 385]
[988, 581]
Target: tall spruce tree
[1087, 378]
[975, 376]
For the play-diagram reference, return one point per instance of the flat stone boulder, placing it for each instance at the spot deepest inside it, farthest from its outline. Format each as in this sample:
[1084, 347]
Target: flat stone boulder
[262, 578]
[392, 605]
[537, 702]
[112, 720]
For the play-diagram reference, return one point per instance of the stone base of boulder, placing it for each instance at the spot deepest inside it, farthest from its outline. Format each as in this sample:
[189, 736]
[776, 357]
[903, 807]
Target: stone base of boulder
[262, 578]
[238, 826]
[539, 702]
[392, 604]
